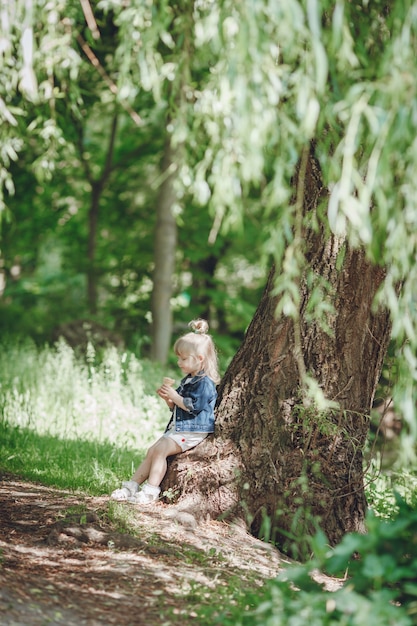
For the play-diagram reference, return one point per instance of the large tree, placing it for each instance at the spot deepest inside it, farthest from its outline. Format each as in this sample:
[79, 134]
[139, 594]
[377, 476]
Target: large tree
[280, 462]
[294, 405]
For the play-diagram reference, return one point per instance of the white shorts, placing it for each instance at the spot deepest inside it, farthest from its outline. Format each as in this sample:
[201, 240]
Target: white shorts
[186, 440]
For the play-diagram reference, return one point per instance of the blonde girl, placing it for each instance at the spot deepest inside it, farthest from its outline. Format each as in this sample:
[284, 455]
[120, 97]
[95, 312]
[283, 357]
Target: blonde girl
[192, 413]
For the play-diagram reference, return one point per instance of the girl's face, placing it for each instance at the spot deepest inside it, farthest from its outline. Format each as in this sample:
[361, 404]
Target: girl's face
[190, 363]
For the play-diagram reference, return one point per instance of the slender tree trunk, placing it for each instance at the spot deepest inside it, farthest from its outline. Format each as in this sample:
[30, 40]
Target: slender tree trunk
[274, 462]
[180, 28]
[91, 248]
[203, 284]
[97, 187]
[165, 248]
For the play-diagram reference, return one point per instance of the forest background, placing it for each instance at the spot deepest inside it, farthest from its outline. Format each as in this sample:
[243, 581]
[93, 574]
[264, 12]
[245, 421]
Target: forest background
[148, 158]
[92, 230]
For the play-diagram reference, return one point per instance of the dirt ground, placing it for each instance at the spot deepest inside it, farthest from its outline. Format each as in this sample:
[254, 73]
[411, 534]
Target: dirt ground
[62, 562]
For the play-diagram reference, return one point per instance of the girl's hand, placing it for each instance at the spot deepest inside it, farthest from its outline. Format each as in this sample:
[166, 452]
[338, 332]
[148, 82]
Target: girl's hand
[168, 392]
[170, 396]
[162, 394]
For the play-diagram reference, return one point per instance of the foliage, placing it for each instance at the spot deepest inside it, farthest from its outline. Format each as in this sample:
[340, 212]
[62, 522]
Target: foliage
[381, 487]
[279, 603]
[55, 173]
[380, 588]
[387, 556]
[100, 398]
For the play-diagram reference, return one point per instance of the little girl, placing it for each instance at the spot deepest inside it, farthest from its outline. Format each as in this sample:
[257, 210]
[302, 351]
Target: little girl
[192, 406]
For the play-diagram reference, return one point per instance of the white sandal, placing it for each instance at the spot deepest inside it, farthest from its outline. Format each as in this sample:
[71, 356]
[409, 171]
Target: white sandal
[146, 495]
[126, 491]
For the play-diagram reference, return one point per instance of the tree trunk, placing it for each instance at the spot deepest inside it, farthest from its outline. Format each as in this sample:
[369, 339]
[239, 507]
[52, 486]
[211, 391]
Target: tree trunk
[274, 462]
[97, 187]
[165, 248]
[91, 248]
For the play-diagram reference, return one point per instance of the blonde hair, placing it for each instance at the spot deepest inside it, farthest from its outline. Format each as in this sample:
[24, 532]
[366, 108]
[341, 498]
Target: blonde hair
[200, 343]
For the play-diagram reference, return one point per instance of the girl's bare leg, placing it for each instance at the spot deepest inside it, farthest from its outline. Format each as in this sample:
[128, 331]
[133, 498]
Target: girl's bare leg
[154, 466]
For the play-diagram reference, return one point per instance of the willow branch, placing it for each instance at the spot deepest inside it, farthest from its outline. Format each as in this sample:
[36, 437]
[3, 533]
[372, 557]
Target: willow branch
[90, 19]
[111, 84]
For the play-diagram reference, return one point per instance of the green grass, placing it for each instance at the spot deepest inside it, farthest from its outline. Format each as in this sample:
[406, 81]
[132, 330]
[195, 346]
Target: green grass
[112, 398]
[89, 466]
[77, 423]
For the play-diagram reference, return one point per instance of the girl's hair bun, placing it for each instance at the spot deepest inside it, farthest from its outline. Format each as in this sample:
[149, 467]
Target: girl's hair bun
[199, 326]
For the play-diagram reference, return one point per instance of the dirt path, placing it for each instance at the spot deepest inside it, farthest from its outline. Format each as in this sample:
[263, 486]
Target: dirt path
[62, 562]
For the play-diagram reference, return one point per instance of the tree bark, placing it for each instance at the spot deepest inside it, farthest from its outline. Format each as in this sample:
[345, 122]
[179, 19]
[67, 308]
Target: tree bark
[274, 462]
[97, 187]
[165, 248]
[93, 214]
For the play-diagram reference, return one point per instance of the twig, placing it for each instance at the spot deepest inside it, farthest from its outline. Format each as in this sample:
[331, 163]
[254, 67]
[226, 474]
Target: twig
[298, 242]
[111, 84]
[90, 19]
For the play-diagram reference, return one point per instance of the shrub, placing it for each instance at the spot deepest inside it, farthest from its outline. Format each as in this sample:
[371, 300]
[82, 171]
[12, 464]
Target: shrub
[380, 587]
[107, 398]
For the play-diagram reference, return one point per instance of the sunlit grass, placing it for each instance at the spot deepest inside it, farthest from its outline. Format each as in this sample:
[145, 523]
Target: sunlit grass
[80, 423]
[52, 391]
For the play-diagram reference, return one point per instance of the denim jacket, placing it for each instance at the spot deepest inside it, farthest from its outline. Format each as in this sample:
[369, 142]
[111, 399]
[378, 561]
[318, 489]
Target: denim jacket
[199, 396]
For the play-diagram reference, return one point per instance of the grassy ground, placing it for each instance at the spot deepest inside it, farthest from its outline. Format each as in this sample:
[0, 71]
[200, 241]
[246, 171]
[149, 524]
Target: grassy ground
[84, 424]
[77, 422]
